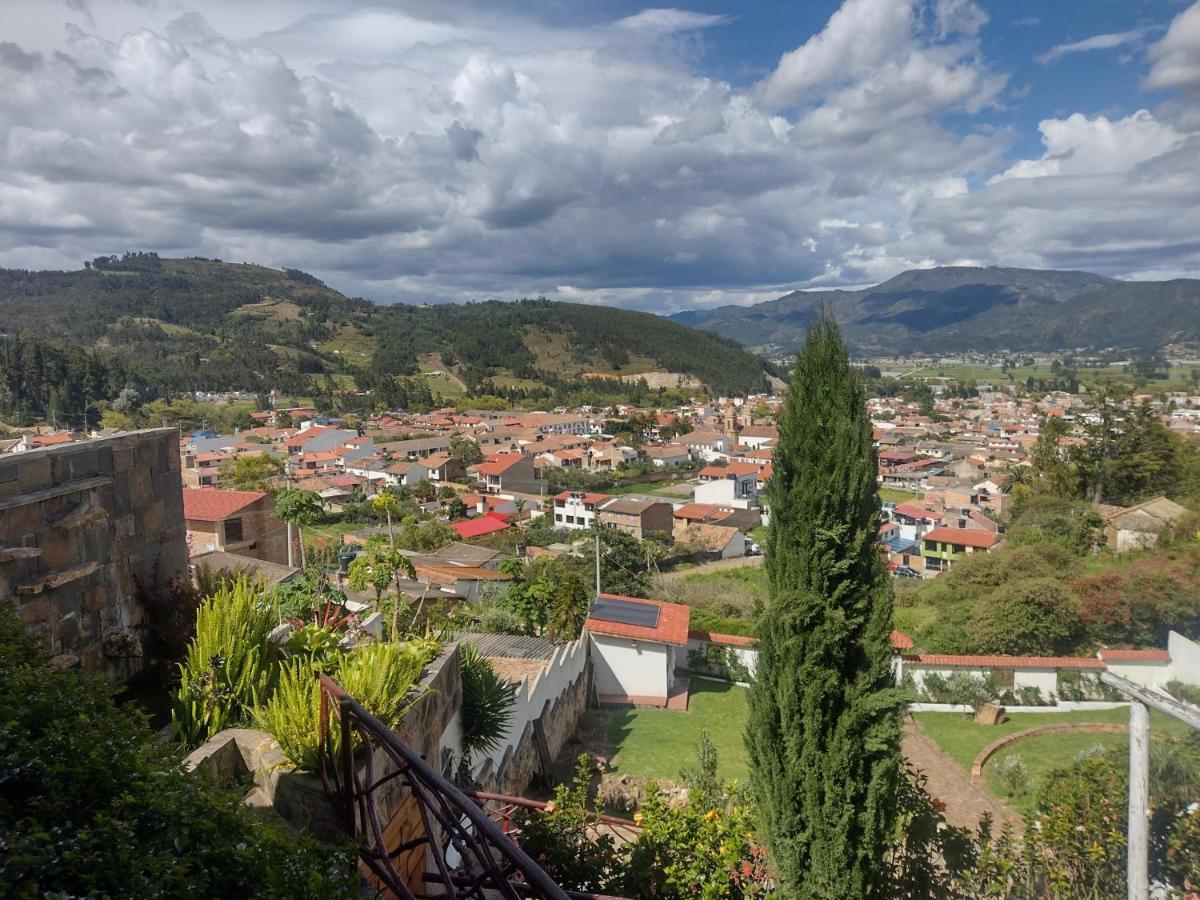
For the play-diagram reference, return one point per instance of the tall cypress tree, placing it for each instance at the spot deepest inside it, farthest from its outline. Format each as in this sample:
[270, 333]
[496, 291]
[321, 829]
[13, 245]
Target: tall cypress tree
[824, 729]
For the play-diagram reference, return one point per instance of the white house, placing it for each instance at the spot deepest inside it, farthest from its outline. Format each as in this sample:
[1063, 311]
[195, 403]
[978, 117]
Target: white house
[734, 485]
[913, 520]
[706, 445]
[636, 646]
[577, 509]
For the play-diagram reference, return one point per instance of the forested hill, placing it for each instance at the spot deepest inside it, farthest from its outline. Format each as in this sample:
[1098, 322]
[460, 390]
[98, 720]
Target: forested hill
[959, 308]
[164, 326]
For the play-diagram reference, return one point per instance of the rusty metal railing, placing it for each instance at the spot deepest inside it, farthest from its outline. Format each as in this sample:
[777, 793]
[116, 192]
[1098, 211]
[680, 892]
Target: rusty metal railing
[457, 851]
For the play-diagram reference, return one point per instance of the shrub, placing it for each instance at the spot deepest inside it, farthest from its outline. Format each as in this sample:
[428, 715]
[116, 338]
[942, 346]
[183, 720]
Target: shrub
[1013, 774]
[1075, 685]
[292, 715]
[960, 688]
[1188, 693]
[231, 663]
[93, 804]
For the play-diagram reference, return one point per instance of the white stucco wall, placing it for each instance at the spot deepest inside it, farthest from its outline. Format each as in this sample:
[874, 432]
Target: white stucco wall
[1185, 659]
[1147, 674]
[630, 667]
[1045, 680]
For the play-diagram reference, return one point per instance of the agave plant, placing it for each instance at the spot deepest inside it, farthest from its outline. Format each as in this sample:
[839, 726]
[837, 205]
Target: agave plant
[487, 703]
[231, 663]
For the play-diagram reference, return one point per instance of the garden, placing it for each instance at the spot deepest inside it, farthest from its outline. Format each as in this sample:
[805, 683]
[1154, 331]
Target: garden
[651, 742]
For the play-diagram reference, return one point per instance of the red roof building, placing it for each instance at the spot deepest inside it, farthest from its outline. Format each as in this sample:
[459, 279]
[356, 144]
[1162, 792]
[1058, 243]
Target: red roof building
[478, 527]
[672, 627]
[211, 505]
[962, 537]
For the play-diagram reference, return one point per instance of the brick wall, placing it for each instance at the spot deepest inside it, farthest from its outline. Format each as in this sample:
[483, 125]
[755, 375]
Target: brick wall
[81, 526]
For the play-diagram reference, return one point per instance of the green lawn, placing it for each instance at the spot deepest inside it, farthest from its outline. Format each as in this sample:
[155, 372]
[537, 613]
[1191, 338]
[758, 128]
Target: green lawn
[1041, 755]
[659, 742]
[891, 495]
[962, 738]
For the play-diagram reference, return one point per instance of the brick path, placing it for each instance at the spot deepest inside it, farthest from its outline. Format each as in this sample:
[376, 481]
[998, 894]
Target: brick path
[965, 800]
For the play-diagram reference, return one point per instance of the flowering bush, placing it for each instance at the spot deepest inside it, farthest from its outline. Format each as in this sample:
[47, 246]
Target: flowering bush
[703, 849]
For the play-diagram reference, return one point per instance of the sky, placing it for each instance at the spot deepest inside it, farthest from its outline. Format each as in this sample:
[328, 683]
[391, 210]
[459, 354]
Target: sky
[658, 158]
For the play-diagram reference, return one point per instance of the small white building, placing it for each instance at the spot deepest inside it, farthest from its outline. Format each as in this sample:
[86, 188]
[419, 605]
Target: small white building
[736, 486]
[636, 646]
[577, 509]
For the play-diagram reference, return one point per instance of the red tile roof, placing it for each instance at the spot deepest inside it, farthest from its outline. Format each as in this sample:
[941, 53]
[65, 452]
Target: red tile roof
[916, 511]
[210, 505]
[702, 512]
[967, 537]
[729, 640]
[901, 641]
[499, 464]
[1007, 662]
[1109, 655]
[469, 528]
[672, 627]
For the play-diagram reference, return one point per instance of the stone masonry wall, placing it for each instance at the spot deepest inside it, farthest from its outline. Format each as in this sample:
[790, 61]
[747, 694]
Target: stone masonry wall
[82, 526]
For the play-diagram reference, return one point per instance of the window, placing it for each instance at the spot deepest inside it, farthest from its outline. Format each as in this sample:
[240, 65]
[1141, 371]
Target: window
[233, 531]
[1004, 678]
[558, 517]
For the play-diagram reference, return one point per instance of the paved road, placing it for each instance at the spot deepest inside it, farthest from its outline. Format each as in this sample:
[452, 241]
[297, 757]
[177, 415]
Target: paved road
[714, 566]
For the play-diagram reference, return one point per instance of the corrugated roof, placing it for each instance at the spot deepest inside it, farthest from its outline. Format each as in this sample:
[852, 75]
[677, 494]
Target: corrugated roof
[510, 646]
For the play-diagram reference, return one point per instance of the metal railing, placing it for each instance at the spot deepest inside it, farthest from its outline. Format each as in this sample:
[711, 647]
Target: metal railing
[458, 850]
[503, 810]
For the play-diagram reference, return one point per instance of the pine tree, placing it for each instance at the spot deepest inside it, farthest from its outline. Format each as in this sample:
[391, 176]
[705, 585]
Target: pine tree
[824, 729]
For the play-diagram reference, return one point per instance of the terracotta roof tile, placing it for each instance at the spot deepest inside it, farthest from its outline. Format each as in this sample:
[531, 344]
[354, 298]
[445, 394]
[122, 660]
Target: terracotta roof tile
[209, 505]
[672, 627]
[967, 537]
[1109, 655]
[1007, 662]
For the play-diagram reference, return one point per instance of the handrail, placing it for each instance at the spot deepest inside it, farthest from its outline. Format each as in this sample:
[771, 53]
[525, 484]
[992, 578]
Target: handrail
[501, 807]
[484, 863]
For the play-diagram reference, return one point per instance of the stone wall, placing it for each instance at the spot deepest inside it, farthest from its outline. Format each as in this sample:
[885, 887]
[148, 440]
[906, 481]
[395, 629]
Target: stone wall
[524, 764]
[82, 527]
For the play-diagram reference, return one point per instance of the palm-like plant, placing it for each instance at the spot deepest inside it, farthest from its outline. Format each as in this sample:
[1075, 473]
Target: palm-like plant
[487, 703]
[230, 665]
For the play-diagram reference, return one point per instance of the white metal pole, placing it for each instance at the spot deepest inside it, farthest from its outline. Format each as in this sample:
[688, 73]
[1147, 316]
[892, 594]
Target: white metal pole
[1139, 802]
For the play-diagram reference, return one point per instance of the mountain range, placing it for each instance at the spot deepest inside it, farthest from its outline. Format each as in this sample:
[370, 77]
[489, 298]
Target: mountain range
[200, 324]
[962, 308]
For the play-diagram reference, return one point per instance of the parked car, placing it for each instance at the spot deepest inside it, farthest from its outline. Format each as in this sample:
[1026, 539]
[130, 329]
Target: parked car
[905, 572]
[752, 548]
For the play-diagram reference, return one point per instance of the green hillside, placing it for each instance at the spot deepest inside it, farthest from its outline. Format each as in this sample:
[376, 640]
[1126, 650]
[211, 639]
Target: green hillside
[165, 326]
[961, 308]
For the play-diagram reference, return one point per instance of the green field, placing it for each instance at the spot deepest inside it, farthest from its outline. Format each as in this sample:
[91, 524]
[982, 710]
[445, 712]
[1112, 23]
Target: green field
[1178, 377]
[658, 743]
[891, 495]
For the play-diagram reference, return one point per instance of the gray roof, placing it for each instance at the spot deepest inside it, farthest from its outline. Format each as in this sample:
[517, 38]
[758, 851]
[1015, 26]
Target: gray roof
[510, 646]
[274, 573]
[466, 554]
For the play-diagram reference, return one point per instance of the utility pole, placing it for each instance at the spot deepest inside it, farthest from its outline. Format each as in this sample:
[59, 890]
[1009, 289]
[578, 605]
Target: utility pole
[597, 563]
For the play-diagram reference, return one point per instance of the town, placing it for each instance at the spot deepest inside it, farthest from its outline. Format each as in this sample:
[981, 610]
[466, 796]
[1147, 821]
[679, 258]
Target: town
[739, 451]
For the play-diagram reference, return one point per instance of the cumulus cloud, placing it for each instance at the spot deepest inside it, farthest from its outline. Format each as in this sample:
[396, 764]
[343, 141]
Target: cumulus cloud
[1176, 57]
[1078, 145]
[423, 151]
